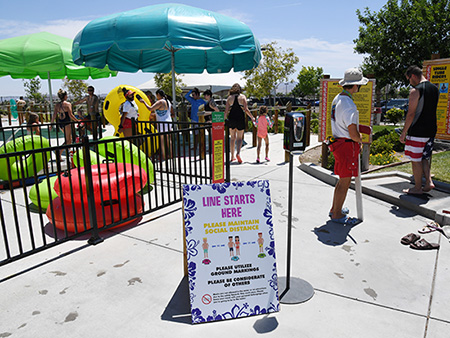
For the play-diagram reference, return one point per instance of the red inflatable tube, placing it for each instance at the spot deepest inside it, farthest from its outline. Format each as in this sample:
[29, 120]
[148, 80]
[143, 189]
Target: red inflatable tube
[115, 180]
[118, 213]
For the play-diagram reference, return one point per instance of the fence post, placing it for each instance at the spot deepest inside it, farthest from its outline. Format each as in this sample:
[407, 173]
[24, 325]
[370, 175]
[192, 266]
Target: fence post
[95, 238]
[254, 129]
[201, 119]
[275, 121]
[324, 155]
[9, 114]
[227, 153]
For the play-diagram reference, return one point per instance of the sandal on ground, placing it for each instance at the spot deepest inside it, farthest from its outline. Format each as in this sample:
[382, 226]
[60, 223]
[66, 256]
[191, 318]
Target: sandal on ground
[257, 160]
[267, 159]
[346, 220]
[430, 227]
[446, 231]
[422, 244]
[409, 238]
[238, 157]
[344, 211]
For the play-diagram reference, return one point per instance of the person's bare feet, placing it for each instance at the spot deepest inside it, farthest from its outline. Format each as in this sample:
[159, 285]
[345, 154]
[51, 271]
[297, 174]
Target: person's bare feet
[428, 188]
[413, 191]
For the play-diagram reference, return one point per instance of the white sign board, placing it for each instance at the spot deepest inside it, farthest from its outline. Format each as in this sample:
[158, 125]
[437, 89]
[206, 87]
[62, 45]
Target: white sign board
[230, 250]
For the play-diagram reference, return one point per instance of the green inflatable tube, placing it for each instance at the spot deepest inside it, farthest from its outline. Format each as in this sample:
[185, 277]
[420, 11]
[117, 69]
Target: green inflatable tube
[29, 163]
[43, 192]
[126, 152]
[78, 155]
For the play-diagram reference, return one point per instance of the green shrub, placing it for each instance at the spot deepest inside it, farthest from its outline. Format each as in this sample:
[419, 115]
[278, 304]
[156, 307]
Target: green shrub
[383, 158]
[386, 143]
[380, 133]
[395, 115]
[394, 139]
[330, 164]
[314, 126]
[280, 127]
[381, 146]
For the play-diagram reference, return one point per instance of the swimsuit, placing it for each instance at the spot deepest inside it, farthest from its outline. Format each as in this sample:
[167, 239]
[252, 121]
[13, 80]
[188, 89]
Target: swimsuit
[236, 118]
[208, 107]
[63, 118]
[262, 122]
[163, 115]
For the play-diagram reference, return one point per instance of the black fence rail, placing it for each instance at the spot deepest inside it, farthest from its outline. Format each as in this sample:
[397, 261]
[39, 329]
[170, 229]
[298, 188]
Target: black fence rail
[55, 192]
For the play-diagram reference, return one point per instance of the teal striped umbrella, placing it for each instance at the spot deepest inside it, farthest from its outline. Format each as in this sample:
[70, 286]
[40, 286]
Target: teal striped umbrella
[167, 37]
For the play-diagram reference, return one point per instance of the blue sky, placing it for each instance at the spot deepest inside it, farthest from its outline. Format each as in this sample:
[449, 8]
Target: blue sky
[320, 32]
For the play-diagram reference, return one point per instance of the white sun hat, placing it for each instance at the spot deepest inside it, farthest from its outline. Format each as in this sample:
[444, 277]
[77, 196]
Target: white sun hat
[353, 76]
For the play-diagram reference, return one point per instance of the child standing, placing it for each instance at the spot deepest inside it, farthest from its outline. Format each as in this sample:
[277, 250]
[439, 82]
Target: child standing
[262, 123]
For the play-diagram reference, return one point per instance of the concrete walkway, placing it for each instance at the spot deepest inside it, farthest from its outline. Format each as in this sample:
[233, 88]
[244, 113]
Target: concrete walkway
[366, 283]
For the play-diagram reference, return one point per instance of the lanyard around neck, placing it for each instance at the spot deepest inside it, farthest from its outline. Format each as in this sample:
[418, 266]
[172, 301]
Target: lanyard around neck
[347, 93]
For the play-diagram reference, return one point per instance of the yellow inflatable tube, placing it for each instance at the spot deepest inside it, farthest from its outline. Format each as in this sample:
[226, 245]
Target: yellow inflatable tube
[111, 112]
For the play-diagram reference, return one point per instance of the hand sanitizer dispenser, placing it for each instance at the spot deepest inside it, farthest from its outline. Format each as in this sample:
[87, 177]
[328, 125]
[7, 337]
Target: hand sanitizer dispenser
[294, 131]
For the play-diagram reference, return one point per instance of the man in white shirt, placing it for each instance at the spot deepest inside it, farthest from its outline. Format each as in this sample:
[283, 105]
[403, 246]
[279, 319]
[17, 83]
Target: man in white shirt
[347, 144]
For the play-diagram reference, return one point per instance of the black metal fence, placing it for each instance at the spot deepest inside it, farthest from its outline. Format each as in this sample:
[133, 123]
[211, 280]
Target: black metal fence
[53, 192]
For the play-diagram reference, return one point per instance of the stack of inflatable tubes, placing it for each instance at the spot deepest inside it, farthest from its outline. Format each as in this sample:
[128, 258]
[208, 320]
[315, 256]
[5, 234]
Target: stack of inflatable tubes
[78, 158]
[115, 188]
[31, 164]
[111, 107]
[126, 152]
[45, 195]
[118, 152]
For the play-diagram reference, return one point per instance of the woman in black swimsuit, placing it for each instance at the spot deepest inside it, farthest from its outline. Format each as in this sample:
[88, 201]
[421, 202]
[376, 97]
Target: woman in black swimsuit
[235, 110]
[210, 105]
[63, 112]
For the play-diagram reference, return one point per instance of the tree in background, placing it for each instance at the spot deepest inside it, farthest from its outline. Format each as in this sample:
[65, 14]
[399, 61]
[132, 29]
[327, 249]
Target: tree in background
[275, 67]
[76, 89]
[164, 82]
[403, 92]
[401, 34]
[308, 82]
[32, 90]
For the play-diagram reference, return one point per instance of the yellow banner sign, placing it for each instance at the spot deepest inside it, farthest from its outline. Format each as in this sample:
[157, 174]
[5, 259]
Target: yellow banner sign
[364, 102]
[438, 73]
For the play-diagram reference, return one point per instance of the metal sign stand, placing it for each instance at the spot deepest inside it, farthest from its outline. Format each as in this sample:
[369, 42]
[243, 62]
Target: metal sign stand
[300, 291]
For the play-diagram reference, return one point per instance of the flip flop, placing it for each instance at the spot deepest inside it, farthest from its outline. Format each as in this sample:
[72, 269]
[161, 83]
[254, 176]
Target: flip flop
[422, 244]
[409, 238]
[446, 231]
[345, 211]
[426, 230]
[430, 227]
[346, 220]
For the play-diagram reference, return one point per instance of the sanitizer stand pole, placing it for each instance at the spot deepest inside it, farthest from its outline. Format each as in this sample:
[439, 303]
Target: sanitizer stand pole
[296, 290]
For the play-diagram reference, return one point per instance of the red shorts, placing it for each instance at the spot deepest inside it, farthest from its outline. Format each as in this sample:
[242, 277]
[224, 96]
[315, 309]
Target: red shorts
[126, 124]
[346, 158]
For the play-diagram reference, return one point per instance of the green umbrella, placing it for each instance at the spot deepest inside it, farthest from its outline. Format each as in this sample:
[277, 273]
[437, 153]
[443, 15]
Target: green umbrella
[167, 37]
[45, 55]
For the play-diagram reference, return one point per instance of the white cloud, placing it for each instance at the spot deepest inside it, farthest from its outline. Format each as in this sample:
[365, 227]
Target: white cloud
[66, 28]
[334, 58]
[288, 5]
[237, 14]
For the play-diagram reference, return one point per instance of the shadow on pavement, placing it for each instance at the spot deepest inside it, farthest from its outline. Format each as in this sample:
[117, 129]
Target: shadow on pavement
[265, 324]
[56, 233]
[334, 234]
[402, 212]
[179, 308]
